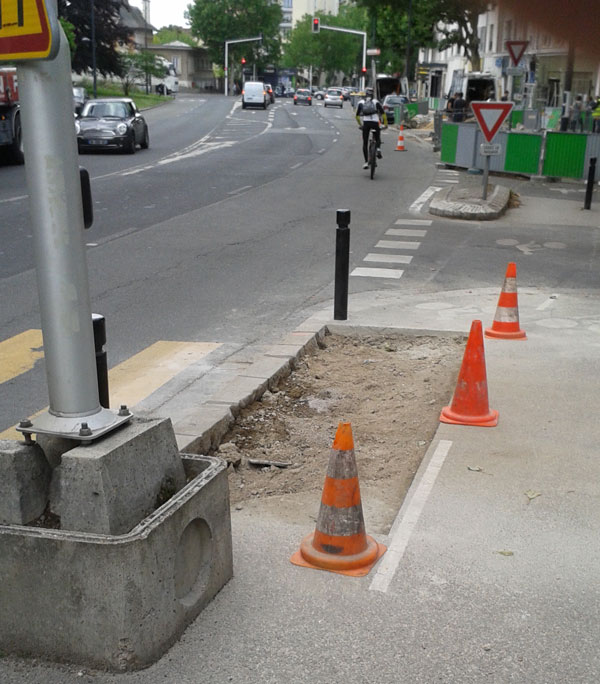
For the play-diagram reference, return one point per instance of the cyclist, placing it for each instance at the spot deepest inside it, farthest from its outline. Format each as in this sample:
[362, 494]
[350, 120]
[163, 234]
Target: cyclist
[371, 112]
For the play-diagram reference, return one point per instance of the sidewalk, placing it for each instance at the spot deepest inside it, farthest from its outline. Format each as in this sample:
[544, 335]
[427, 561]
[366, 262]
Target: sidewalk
[493, 562]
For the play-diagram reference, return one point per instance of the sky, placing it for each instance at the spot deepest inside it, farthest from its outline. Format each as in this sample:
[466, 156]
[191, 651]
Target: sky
[165, 12]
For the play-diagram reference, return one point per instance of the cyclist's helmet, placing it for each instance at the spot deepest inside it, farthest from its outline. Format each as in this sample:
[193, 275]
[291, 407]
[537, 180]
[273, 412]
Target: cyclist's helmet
[369, 92]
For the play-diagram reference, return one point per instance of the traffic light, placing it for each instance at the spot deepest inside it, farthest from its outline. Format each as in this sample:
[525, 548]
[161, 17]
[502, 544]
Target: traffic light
[316, 25]
[243, 61]
[364, 70]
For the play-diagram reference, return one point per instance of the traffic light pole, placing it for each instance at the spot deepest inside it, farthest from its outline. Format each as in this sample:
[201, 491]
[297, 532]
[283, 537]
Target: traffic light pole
[364, 55]
[227, 44]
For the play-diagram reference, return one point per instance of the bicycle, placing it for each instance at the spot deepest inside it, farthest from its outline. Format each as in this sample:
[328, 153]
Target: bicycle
[372, 151]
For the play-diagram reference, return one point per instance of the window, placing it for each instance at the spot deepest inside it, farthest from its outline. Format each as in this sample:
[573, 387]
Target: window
[491, 38]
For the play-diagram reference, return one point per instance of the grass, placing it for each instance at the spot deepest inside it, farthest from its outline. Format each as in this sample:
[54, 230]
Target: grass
[109, 89]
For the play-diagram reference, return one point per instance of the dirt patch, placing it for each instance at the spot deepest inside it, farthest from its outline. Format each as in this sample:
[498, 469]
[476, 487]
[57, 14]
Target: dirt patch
[390, 387]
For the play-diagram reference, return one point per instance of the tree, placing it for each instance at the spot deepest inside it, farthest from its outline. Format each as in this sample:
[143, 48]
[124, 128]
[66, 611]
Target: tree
[136, 67]
[457, 22]
[215, 21]
[169, 34]
[108, 31]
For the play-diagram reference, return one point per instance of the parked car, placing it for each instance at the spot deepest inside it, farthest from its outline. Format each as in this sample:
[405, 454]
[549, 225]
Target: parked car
[270, 93]
[346, 90]
[303, 96]
[334, 98]
[255, 95]
[390, 102]
[79, 98]
[111, 123]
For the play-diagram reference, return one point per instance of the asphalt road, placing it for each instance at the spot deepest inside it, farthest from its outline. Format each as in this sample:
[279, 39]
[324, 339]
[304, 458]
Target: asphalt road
[224, 231]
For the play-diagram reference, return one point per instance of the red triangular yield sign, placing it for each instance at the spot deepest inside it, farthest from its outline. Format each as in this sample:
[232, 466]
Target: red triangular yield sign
[516, 49]
[490, 116]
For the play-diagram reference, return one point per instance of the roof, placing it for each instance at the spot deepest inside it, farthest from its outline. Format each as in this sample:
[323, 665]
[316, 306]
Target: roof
[133, 18]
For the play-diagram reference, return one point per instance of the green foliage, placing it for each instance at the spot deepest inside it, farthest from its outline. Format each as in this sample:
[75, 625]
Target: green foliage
[216, 21]
[137, 94]
[136, 67]
[69, 30]
[169, 34]
[328, 51]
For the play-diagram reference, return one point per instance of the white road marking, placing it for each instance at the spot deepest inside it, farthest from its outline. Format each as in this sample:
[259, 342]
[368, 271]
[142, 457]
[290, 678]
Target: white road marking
[296, 165]
[406, 232]
[446, 180]
[407, 519]
[321, 151]
[413, 222]
[378, 272]
[389, 258]
[417, 205]
[235, 192]
[549, 302]
[14, 199]
[395, 244]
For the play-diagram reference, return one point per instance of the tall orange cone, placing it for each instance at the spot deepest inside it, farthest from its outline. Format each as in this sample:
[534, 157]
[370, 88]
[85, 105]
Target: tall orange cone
[400, 144]
[470, 401]
[506, 320]
[339, 543]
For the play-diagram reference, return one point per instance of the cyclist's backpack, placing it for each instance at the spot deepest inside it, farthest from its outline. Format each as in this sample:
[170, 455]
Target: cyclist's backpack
[369, 107]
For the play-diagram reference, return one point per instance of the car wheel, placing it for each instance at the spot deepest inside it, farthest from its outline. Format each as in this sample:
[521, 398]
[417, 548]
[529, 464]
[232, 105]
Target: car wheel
[264, 105]
[145, 144]
[130, 144]
[243, 105]
[295, 103]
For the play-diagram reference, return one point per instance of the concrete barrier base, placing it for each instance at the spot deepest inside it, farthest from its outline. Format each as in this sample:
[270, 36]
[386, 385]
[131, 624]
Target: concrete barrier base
[118, 602]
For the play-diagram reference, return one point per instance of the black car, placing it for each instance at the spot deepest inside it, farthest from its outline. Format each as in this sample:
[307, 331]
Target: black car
[111, 124]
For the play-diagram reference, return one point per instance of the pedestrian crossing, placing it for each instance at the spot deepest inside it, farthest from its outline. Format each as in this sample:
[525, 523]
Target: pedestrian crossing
[394, 250]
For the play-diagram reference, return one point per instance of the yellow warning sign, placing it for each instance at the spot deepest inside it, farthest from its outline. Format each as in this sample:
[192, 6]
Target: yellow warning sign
[25, 30]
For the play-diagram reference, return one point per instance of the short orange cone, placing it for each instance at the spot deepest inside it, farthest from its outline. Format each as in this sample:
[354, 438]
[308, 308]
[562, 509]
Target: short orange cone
[400, 144]
[470, 401]
[506, 320]
[339, 543]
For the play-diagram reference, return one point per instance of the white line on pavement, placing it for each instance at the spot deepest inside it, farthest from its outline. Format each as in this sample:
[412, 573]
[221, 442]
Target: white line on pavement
[296, 165]
[549, 302]
[389, 258]
[234, 192]
[413, 222]
[396, 244]
[378, 272]
[407, 519]
[417, 205]
[405, 232]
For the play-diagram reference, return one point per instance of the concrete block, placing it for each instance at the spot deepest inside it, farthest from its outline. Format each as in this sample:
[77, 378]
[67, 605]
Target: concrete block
[109, 485]
[271, 369]
[24, 482]
[239, 393]
[118, 602]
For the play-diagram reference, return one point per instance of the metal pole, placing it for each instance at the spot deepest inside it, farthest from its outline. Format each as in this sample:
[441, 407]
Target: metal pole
[486, 173]
[226, 72]
[590, 183]
[93, 38]
[99, 325]
[54, 185]
[364, 63]
[342, 265]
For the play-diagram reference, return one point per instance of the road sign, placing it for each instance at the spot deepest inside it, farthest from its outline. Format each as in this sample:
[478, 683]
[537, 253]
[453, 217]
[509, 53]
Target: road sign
[516, 49]
[373, 52]
[489, 149]
[490, 116]
[27, 30]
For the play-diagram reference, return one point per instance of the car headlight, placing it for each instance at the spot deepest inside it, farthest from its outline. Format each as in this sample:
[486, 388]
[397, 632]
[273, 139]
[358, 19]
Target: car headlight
[77, 128]
[122, 128]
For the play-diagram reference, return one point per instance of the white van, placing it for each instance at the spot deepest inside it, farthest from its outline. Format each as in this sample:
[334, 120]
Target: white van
[254, 94]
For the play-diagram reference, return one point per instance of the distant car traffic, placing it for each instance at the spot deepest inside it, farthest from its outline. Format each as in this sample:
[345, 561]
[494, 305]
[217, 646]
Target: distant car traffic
[79, 98]
[303, 96]
[389, 104]
[111, 123]
[270, 93]
[346, 90]
[254, 94]
[319, 93]
[334, 98]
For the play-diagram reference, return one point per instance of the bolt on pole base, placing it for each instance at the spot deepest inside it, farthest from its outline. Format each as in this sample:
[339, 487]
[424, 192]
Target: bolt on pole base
[80, 428]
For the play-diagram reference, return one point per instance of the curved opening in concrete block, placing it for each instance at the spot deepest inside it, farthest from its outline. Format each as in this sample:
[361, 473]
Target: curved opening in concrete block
[193, 562]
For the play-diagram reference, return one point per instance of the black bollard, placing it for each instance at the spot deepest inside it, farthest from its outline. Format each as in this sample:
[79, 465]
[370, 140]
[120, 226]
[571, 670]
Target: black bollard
[342, 265]
[590, 184]
[99, 324]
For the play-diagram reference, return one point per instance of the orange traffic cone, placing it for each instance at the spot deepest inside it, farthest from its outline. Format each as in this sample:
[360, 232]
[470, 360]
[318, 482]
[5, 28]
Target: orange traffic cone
[400, 144]
[339, 542]
[506, 320]
[470, 401]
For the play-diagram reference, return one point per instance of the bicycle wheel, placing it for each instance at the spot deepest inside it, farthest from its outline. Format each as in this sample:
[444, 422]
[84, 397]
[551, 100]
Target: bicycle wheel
[372, 158]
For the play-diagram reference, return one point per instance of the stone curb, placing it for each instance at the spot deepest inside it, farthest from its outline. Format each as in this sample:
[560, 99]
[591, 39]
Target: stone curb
[463, 203]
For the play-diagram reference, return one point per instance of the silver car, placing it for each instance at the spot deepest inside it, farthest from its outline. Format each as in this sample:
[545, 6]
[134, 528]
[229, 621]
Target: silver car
[334, 97]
